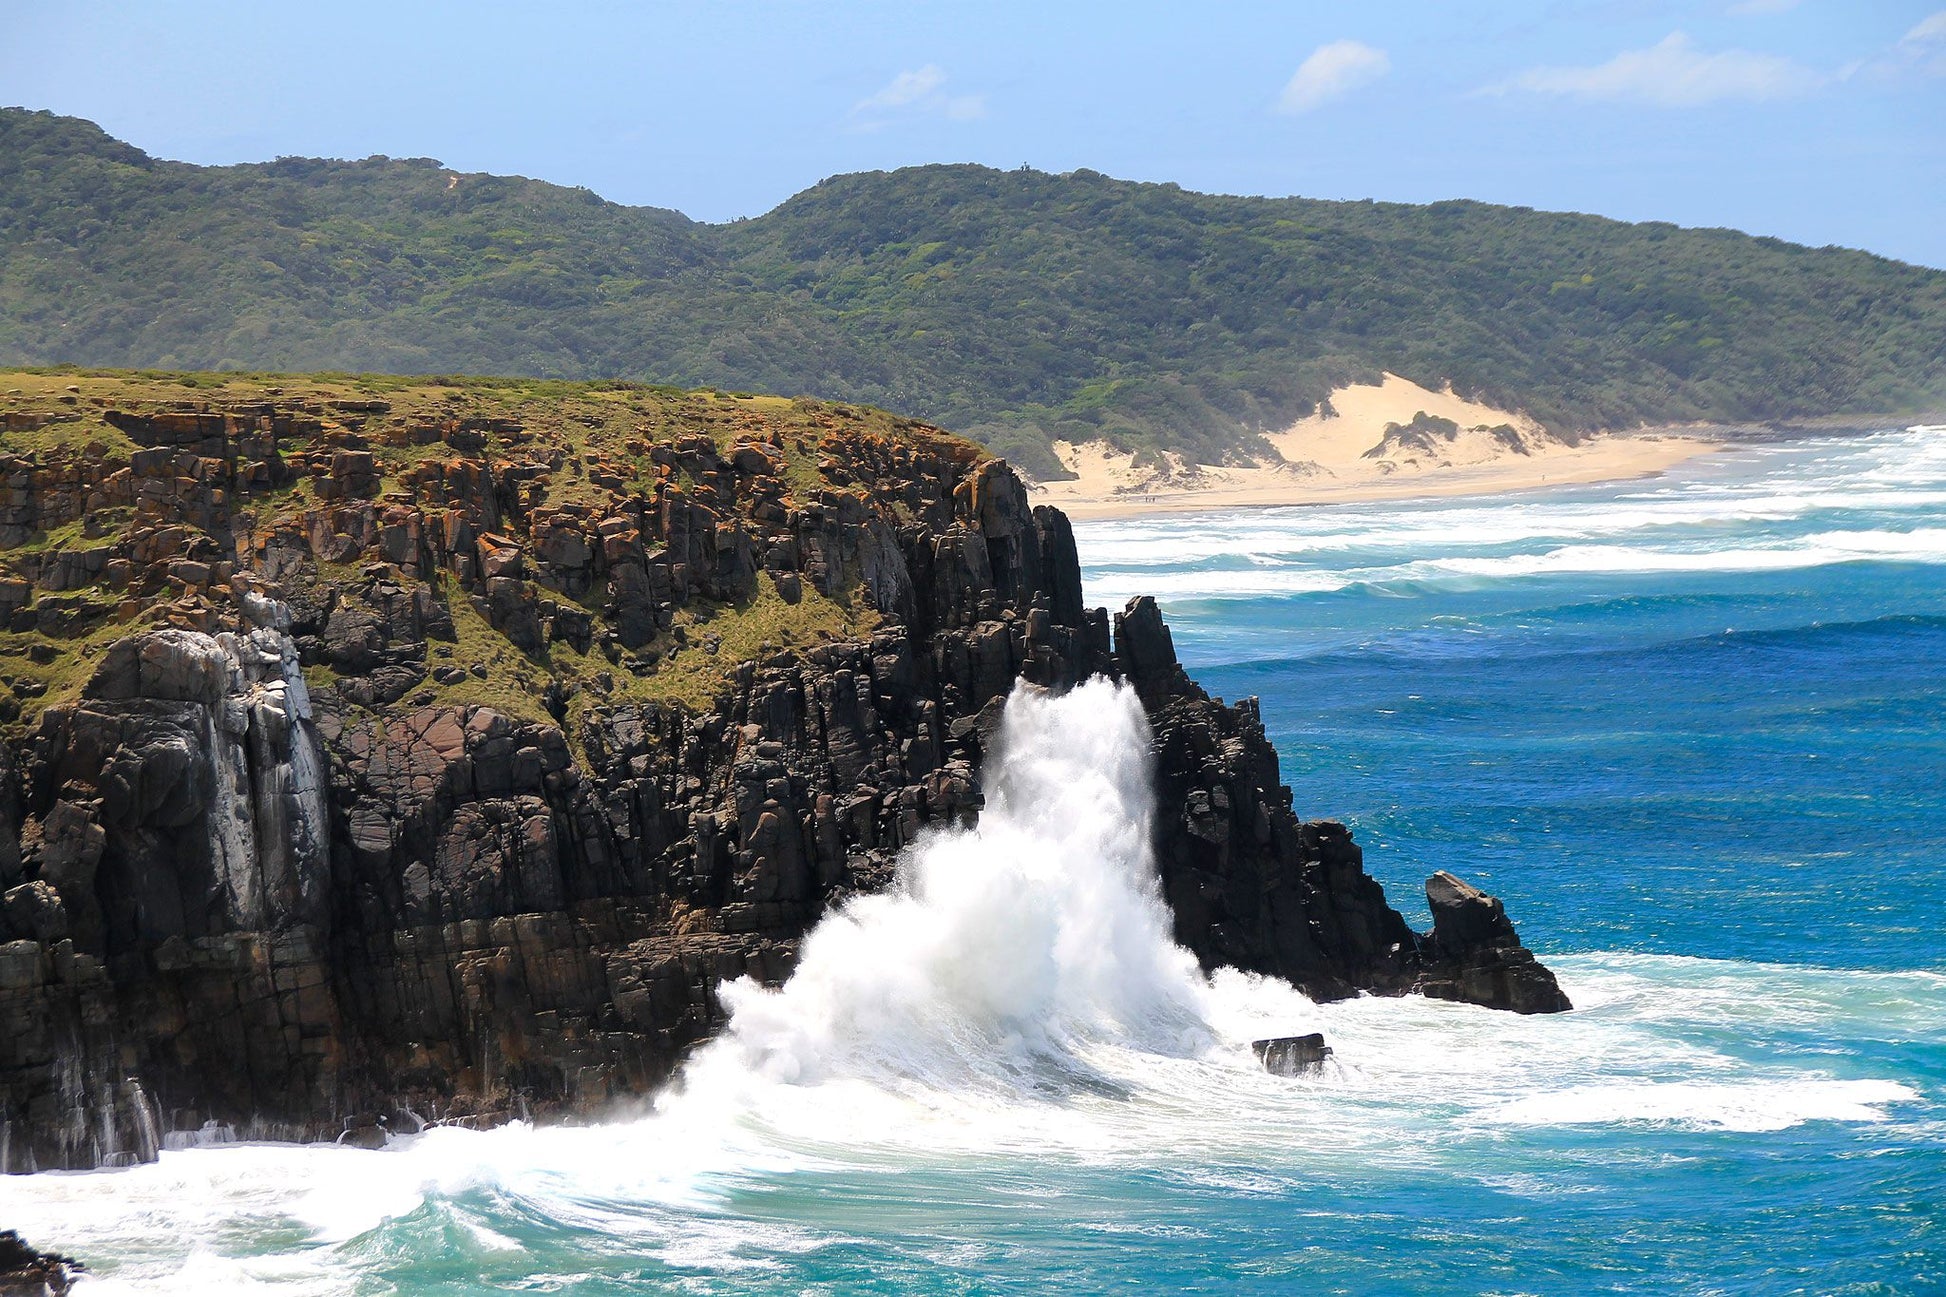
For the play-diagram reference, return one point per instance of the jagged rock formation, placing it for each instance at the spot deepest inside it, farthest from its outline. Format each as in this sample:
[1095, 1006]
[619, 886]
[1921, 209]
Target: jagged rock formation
[292, 857]
[1253, 887]
[1474, 955]
[25, 1271]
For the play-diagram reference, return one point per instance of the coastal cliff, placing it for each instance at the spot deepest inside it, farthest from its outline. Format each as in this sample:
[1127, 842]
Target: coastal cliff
[384, 752]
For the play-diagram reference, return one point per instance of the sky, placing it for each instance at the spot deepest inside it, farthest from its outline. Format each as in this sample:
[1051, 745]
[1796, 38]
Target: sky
[1819, 121]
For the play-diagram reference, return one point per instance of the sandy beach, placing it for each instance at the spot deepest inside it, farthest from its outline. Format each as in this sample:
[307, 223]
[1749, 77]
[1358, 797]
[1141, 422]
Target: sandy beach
[1343, 454]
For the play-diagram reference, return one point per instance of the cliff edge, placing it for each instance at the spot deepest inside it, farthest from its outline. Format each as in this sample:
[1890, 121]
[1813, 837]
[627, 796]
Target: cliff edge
[382, 752]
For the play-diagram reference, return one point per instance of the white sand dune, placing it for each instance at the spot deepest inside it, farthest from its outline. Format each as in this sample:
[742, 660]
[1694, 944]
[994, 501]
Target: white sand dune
[1342, 454]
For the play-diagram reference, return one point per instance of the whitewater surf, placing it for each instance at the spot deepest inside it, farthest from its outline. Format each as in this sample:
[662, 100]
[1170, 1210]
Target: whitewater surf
[956, 1065]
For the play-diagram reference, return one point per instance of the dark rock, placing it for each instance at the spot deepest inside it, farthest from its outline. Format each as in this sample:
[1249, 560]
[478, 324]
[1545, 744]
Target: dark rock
[1146, 654]
[26, 1271]
[1249, 885]
[231, 902]
[367, 1133]
[33, 911]
[1292, 1055]
[1474, 955]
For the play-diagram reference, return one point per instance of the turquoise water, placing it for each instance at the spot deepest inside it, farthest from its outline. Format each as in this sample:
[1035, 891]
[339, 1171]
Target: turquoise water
[1692, 730]
[1704, 716]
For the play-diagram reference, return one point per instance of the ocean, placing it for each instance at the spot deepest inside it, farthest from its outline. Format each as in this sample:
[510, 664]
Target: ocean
[1692, 730]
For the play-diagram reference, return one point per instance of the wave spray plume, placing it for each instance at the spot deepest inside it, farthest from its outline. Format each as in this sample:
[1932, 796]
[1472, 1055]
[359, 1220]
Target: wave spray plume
[1005, 951]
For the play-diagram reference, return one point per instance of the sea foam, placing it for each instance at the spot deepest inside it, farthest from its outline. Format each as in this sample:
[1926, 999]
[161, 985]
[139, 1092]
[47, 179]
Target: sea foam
[1800, 505]
[1005, 950]
[1011, 1013]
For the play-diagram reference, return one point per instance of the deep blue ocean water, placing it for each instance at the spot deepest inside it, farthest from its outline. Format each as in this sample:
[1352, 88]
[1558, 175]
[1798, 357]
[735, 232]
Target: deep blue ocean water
[1701, 716]
[1692, 730]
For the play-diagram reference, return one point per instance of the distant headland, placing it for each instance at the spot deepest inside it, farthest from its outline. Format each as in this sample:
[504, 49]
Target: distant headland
[1064, 321]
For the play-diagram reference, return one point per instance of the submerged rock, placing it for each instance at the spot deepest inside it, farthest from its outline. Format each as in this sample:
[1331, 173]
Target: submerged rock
[365, 1132]
[1292, 1055]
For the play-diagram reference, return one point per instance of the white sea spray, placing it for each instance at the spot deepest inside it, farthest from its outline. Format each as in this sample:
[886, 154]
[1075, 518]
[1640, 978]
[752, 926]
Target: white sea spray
[1013, 1010]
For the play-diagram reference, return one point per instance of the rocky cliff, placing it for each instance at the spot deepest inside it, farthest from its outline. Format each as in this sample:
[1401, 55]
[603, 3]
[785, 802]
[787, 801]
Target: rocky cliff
[387, 752]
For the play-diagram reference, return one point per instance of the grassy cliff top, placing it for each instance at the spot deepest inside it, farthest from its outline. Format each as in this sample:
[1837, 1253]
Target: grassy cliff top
[445, 539]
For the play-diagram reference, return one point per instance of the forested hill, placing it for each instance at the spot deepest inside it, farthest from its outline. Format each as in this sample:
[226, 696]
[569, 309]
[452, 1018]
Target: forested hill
[1019, 306]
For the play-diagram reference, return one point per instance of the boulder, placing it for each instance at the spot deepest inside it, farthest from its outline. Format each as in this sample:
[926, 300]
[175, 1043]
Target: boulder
[1292, 1055]
[166, 665]
[33, 912]
[26, 1271]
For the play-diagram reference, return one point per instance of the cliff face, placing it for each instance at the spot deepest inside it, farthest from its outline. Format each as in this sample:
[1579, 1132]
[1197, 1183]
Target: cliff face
[380, 761]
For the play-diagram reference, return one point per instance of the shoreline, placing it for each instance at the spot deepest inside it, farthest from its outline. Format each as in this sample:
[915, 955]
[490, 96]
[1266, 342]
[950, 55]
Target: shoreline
[1609, 458]
[1397, 440]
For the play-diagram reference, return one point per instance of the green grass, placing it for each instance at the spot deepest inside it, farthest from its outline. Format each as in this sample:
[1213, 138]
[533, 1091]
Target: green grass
[71, 664]
[693, 675]
[615, 424]
[513, 684]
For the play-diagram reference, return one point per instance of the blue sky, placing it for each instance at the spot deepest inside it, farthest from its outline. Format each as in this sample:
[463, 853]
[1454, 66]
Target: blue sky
[1822, 121]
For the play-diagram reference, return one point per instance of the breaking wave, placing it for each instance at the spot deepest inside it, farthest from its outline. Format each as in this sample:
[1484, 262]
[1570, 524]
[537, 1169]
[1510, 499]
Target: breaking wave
[1770, 509]
[1013, 1013]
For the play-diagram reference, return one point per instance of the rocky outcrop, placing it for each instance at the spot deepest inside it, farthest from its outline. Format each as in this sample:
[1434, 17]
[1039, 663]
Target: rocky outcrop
[1292, 1055]
[1473, 954]
[1252, 886]
[281, 867]
[26, 1271]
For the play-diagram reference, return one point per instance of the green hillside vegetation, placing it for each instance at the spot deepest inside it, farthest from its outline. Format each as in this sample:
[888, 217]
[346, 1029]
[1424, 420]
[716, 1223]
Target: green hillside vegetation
[1018, 306]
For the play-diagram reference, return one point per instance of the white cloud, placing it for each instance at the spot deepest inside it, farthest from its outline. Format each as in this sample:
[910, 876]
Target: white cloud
[1332, 71]
[919, 92]
[1673, 74]
[1927, 31]
[1921, 50]
[906, 88]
